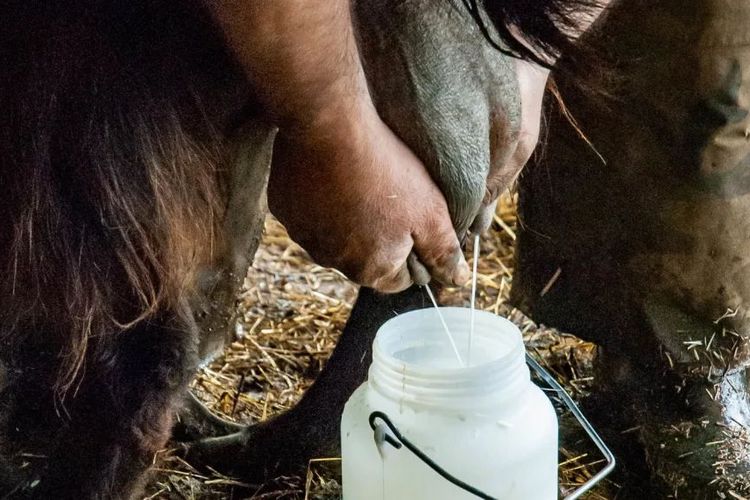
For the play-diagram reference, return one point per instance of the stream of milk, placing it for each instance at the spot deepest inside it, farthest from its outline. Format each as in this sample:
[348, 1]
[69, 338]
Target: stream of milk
[468, 361]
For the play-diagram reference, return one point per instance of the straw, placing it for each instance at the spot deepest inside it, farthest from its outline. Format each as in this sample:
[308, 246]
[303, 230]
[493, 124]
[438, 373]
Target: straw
[290, 316]
[473, 296]
[445, 325]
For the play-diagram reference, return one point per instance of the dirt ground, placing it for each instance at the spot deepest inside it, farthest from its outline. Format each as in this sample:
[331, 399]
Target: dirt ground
[290, 315]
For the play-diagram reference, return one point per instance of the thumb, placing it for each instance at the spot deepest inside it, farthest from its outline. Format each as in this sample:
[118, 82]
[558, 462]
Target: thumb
[438, 249]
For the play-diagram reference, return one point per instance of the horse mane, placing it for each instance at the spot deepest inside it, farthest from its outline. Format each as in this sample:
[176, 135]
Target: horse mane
[112, 171]
[537, 30]
[548, 33]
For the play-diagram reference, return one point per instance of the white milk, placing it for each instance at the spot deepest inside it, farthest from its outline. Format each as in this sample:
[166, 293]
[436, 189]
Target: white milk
[486, 424]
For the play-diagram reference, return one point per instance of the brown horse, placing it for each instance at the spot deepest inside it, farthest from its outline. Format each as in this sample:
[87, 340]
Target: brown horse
[133, 163]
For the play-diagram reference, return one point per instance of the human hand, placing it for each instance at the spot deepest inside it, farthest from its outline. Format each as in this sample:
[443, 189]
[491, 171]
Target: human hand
[357, 199]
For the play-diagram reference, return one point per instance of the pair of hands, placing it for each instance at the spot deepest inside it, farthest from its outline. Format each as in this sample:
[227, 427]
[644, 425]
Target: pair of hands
[344, 185]
[357, 199]
[347, 189]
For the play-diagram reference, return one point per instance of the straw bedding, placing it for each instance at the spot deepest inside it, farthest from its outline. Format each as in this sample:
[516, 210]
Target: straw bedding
[291, 313]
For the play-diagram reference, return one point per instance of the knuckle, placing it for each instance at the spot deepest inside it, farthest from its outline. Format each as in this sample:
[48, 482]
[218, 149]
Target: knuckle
[377, 274]
[441, 256]
[440, 243]
[391, 283]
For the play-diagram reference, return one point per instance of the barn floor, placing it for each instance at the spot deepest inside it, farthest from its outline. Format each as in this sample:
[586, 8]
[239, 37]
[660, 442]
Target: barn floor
[290, 314]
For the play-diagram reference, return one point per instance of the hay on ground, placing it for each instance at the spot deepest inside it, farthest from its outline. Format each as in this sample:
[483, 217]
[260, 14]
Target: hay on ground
[291, 313]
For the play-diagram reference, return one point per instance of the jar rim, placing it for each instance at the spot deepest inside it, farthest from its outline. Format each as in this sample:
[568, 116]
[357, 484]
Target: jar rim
[483, 321]
[396, 370]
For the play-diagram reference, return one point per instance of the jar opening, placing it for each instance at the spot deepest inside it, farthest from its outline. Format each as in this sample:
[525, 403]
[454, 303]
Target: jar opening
[413, 358]
[418, 340]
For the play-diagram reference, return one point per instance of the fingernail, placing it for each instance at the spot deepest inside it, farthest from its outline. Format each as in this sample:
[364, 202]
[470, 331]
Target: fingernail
[462, 274]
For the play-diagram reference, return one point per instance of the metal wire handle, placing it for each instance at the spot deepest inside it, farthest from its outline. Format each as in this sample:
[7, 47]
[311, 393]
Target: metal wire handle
[578, 414]
[398, 440]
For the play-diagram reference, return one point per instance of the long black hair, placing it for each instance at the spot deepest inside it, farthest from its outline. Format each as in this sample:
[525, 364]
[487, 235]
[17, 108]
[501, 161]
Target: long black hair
[549, 28]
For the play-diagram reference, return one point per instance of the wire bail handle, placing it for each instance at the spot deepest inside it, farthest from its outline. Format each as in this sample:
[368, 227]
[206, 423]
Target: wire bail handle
[378, 420]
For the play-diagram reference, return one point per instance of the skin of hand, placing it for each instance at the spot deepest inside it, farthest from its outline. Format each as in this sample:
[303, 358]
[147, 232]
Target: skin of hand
[384, 202]
[347, 189]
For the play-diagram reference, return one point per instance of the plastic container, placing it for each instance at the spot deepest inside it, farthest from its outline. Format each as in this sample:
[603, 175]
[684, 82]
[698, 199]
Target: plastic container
[486, 424]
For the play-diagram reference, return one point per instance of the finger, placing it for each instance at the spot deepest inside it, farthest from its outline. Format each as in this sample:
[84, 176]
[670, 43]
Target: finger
[395, 282]
[419, 273]
[439, 251]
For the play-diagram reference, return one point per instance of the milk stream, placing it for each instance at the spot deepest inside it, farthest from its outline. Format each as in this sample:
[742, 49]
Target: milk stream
[445, 326]
[473, 297]
[447, 330]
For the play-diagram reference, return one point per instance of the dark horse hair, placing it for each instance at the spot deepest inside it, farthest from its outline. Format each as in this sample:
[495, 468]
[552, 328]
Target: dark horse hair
[549, 28]
[110, 156]
[114, 170]
[100, 160]
[547, 32]
[113, 146]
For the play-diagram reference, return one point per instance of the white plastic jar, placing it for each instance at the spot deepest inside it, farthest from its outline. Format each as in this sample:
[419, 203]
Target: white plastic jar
[486, 424]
